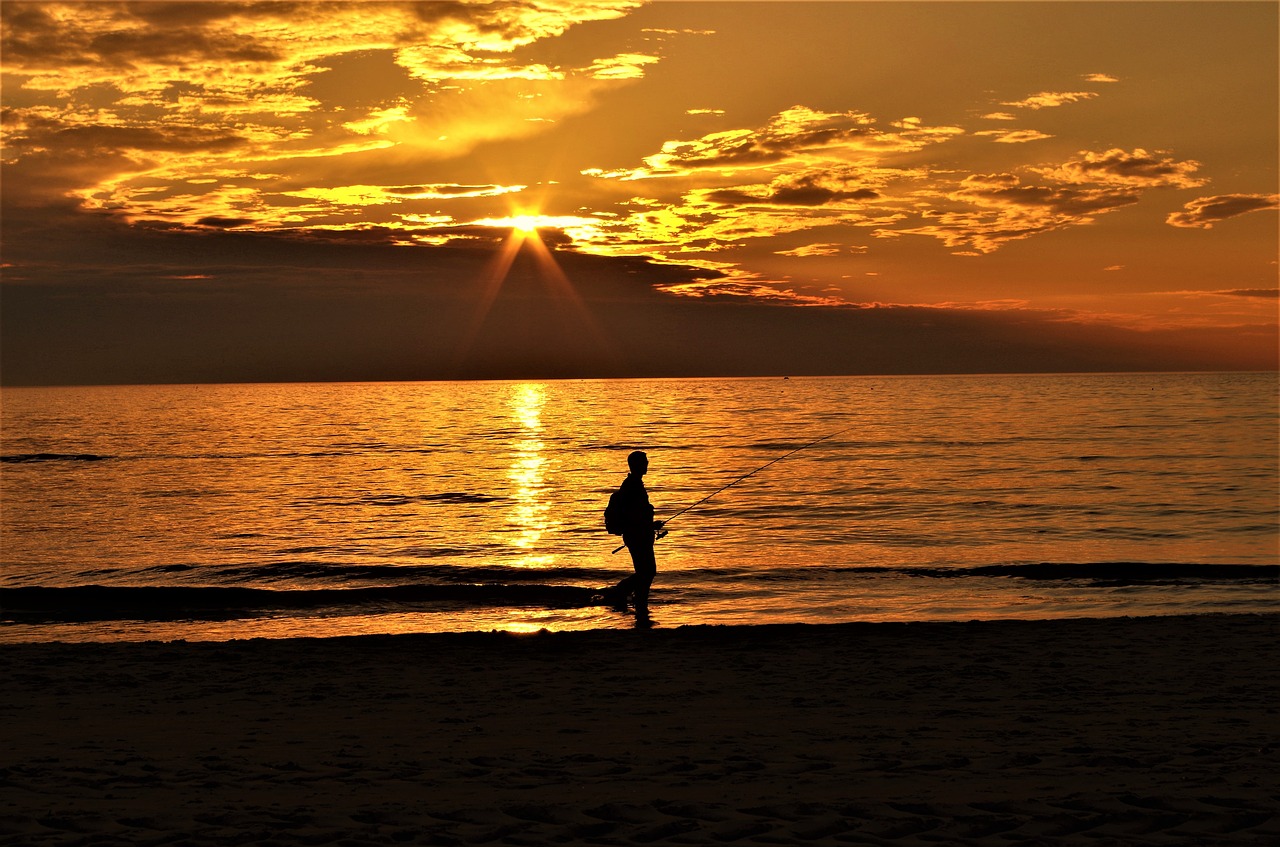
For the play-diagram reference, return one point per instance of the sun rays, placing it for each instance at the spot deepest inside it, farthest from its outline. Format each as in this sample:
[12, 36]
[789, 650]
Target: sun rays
[524, 236]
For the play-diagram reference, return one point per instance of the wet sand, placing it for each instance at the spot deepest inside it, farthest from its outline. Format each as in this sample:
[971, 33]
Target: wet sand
[1122, 731]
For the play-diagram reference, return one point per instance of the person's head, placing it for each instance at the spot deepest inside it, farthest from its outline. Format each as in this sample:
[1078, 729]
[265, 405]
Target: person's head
[638, 462]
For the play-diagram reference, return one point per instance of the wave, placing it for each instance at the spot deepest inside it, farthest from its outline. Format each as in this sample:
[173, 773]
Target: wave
[1101, 574]
[54, 457]
[99, 602]
[451, 497]
[359, 450]
[433, 574]
[450, 587]
[1133, 572]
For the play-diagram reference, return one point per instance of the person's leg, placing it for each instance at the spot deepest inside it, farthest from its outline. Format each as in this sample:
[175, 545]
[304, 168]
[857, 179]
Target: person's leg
[641, 549]
[646, 566]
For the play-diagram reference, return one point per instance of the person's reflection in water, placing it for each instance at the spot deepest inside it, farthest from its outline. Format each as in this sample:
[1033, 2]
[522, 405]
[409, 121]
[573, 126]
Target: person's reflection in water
[639, 532]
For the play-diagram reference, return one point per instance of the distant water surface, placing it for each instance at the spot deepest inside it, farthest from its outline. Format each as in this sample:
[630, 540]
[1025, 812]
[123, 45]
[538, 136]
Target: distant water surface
[227, 511]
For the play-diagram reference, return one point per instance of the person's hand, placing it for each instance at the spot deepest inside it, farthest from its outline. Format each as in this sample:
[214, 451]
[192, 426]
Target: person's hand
[657, 526]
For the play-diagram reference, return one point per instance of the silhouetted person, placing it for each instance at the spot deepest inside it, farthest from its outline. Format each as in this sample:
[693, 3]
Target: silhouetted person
[639, 531]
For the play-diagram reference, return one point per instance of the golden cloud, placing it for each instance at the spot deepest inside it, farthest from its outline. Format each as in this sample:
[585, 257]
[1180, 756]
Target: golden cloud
[1204, 212]
[144, 46]
[806, 169]
[1119, 167]
[1050, 99]
[790, 134]
[990, 210]
[821, 187]
[125, 105]
[372, 195]
[812, 250]
[623, 66]
[1013, 136]
[379, 120]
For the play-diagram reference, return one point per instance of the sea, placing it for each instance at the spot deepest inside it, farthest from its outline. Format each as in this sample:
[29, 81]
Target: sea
[218, 512]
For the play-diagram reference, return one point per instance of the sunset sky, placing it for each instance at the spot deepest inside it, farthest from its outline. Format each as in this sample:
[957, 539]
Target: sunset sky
[365, 190]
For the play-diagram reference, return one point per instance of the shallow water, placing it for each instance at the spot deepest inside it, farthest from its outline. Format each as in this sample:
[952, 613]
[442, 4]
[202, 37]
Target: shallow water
[397, 499]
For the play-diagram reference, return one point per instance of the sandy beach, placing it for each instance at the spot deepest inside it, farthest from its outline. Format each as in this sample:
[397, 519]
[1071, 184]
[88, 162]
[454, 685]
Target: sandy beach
[1113, 731]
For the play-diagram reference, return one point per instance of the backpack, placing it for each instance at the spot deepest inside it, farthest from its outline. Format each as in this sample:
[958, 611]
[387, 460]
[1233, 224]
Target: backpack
[613, 515]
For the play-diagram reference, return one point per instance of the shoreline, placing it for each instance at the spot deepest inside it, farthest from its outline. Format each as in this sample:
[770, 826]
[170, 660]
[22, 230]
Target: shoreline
[97, 614]
[1152, 730]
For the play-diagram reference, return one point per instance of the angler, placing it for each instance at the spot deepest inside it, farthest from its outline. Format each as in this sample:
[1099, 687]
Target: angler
[661, 526]
[630, 515]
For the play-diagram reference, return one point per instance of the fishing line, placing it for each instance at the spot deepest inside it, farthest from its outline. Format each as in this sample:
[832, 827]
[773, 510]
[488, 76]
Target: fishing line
[741, 478]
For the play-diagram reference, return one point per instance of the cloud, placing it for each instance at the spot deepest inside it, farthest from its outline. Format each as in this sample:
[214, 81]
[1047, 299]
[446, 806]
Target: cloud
[138, 44]
[1100, 78]
[223, 223]
[379, 121]
[792, 132]
[1050, 99]
[31, 129]
[706, 222]
[1267, 293]
[1118, 167]
[993, 209]
[369, 195]
[1007, 190]
[624, 66]
[1014, 136]
[124, 105]
[809, 169]
[308, 120]
[811, 250]
[804, 189]
[802, 169]
[1204, 212]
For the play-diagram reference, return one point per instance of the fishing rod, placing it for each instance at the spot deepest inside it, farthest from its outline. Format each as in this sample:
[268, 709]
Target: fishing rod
[663, 531]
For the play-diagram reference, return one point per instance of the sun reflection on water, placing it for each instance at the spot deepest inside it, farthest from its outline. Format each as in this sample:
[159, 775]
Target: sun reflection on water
[530, 515]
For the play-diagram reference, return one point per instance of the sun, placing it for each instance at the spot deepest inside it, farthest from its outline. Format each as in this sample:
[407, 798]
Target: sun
[525, 224]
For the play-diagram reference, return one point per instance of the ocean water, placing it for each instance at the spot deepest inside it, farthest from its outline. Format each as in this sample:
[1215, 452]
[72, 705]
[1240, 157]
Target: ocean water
[239, 511]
